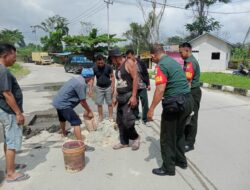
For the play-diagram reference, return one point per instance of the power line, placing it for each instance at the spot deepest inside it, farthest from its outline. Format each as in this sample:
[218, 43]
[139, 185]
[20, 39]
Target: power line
[93, 13]
[125, 3]
[100, 7]
[85, 12]
[212, 12]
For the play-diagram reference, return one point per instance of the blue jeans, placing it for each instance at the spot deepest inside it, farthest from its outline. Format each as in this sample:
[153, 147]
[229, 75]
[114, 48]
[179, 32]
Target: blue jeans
[12, 131]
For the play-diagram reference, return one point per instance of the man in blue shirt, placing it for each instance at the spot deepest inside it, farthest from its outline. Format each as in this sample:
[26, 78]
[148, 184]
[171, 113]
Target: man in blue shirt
[69, 96]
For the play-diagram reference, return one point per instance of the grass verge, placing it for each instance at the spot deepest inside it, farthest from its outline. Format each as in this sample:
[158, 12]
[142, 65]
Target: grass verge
[226, 79]
[18, 70]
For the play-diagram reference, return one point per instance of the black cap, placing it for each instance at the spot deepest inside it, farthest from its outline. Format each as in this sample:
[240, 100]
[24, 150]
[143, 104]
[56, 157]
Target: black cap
[115, 52]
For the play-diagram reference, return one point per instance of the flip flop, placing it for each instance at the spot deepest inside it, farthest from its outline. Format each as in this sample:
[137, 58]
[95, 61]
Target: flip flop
[67, 133]
[22, 177]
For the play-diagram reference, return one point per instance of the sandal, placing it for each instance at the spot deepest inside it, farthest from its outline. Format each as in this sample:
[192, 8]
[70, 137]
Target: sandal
[119, 146]
[67, 133]
[22, 177]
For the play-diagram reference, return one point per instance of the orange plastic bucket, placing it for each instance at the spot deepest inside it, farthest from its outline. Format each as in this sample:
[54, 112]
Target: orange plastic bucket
[74, 155]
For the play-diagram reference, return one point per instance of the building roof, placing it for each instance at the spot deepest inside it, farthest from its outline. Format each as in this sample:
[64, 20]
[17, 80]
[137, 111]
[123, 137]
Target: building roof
[208, 34]
[61, 54]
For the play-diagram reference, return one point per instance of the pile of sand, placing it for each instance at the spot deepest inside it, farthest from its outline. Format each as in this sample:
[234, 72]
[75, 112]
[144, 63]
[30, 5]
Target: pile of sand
[104, 136]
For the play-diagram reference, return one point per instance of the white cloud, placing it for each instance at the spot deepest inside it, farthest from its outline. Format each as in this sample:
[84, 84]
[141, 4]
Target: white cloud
[21, 14]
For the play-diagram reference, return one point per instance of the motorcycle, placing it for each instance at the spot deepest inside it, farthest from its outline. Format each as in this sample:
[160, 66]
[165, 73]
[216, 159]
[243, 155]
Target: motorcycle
[242, 71]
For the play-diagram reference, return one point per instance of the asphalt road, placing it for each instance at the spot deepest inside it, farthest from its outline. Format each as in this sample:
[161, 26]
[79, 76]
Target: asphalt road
[222, 152]
[220, 159]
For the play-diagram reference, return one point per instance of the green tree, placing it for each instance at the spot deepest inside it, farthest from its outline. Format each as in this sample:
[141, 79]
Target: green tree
[24, 53]
[91, 43]
[57, 27]
[53, 42]
[175, 40]
[239, 53]
[54, 23]
[14, 37]
[138, 36]
[202, 22]
[201, 25]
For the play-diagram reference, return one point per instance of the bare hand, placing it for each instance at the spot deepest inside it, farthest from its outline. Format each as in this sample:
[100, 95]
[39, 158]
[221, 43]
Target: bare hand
[149, 88]
[88, 115]
[132, 101]
[150, 115]
[20, 119]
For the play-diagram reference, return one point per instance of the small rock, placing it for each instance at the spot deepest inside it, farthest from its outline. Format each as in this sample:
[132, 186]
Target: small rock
[109, 174]
[53, 128]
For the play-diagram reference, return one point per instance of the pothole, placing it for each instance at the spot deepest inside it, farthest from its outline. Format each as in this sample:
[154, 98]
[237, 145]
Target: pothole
[105, 135]
[43, 87]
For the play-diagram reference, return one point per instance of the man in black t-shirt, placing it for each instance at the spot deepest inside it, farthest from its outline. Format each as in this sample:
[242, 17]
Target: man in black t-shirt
[11, 113]
[104, 86]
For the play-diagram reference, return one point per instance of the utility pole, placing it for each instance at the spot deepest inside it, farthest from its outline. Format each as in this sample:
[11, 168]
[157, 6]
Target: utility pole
[108, 2]
[34, 31]
[247, 34]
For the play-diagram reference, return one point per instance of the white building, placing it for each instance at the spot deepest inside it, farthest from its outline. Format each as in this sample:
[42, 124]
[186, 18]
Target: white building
[212, 53]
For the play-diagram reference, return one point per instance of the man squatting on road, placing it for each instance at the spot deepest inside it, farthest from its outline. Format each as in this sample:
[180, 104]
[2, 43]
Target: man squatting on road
[68, 97]
[11, 113]
[126, 97]
[173, 90]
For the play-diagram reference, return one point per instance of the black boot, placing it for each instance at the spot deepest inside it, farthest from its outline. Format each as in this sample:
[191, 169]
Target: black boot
[162, 172]
[188, 148]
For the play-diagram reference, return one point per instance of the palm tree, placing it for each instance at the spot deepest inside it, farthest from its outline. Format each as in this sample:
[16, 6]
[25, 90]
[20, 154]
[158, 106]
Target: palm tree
[54, 23]
[14, 37]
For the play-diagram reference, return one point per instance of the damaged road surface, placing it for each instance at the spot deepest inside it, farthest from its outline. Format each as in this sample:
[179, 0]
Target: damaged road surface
[220, 159]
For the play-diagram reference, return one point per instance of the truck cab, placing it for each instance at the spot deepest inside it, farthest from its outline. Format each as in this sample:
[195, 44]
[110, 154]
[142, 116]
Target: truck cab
[46, 60]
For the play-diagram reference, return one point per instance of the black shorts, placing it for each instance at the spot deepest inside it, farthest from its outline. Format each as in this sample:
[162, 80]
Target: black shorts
[69, 115]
